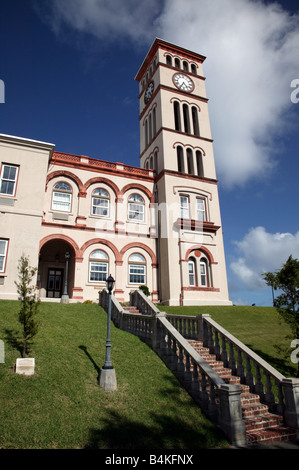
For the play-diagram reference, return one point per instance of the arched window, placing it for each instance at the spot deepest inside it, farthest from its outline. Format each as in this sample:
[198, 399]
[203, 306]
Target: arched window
[136, 207]
[204, 273]
[185, 66]
[192, 272]
[146, 132]
[137, 269]
[199, 163]
[156, 161]
[193, 69]
[100, 202]
[177, 116]
[186, 118]
[150, 129]
[180, 159]
[194, 112]
[190, 163]
[177, 63]
[154, 122]
[98, 266]
[62, 197]
[168, 60]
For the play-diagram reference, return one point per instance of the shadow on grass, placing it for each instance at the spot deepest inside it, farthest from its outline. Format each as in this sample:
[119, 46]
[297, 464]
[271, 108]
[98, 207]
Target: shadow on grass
[97, 368]
[167, 430]
[120, 432]
[13, 339]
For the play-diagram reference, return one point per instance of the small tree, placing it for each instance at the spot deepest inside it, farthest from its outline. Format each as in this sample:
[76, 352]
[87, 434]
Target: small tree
[145, 290]
[29, 303]
[287, 303]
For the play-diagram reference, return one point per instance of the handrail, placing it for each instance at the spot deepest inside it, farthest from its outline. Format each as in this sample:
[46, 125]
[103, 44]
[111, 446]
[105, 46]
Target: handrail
[255, 357]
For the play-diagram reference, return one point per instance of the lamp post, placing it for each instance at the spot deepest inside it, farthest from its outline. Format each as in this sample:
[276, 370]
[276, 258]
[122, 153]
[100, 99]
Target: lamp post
[107, 376]
[65, 297]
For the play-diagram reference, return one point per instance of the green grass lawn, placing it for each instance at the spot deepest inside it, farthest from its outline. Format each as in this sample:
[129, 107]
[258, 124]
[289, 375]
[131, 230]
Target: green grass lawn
[260, 328]
[63, 407]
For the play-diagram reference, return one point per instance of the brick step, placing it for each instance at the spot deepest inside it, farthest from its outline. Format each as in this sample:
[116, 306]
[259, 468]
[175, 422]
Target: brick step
[255, 423]
[248, 398]
[276, 433]
[261, 425]
[253, 409]
[132, 309]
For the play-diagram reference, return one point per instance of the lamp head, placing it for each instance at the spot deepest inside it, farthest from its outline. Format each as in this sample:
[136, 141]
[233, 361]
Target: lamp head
[110, 283]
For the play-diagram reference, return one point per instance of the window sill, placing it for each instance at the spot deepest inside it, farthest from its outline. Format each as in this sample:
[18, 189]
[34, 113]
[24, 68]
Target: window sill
[196, 225]
[7, 200]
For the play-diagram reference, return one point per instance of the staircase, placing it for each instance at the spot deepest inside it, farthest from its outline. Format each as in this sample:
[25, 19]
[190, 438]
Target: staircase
[223, 390]
[261, 425]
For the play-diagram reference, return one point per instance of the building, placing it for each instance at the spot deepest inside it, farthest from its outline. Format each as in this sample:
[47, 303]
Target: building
[158, 225]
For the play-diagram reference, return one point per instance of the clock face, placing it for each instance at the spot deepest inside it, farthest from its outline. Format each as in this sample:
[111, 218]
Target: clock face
[183, 82]
[148, 92]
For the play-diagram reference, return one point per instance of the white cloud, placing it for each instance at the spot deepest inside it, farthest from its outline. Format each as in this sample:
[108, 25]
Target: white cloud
[252, 53]
[108, 20]
[261, 252]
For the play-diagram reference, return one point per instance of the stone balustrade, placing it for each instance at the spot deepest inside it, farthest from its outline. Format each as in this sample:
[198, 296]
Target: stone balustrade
[168, 335]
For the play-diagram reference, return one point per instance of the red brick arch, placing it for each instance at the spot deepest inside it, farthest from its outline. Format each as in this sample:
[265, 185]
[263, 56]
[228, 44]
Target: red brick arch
[98, 180]
[67, 174]
[65, 238]
[203, 250]
[101, 241]
[144, 247]
[140, 187]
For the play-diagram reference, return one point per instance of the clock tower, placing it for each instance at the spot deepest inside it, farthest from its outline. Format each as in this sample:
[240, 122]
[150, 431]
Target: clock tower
[176, 142]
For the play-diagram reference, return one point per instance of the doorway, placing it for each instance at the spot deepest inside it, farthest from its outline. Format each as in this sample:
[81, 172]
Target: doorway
[54, 283]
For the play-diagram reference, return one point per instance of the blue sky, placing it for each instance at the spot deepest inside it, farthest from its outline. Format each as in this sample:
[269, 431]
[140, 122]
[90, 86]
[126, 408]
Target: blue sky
[69, 68]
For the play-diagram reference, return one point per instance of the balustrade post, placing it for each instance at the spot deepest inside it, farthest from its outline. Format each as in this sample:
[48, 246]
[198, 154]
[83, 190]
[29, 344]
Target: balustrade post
[157, 332]
[205, 330]
[291, 395]
[230, 419]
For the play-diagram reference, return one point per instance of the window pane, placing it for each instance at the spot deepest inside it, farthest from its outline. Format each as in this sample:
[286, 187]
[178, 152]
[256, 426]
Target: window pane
[63, 186]
[136, 211]
[184, 207]
[99, 254]
[98, 271]
[136, 198]
[3, 246]
[137, 274]
[201, 213]
[137, 258]
[62, 201]
[100, 192]
[191, 273]
[203, 273]
[100, 206]
[8, 180]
